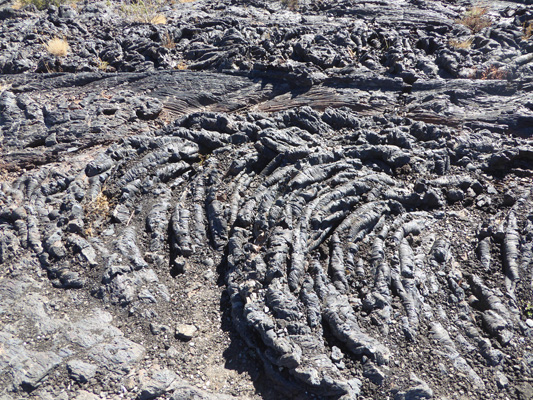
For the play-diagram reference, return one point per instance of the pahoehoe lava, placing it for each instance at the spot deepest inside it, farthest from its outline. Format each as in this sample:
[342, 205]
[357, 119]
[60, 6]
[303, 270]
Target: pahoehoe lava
[358, 189]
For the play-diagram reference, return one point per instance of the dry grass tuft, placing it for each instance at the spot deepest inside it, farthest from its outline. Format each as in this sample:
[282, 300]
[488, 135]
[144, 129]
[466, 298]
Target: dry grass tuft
[147, 11]
[98, 209]
[57, 47]
[102, 65]
[475, 19]
[494, 73]
[42, 4]
[461, 44]
[168, 41]
[528, 30]
[159, 19]
[490, 73]
[181, 66]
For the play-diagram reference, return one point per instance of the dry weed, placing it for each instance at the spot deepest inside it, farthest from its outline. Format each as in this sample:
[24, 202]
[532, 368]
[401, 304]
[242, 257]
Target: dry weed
[159, 19]
[42, 4]
[181, 66]
[461, 44]
[475, 19]
[494, 73]
[146, 11]
[102, 65]
[490, 73]
[95, 210]
[57, 47]
[528, 30]
[168, 41]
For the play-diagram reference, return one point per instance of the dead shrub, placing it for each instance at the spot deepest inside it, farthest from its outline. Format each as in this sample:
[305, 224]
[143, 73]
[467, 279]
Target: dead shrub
[461, 44]
[528, 30]
[97, 210]
[168, 41]
[489, 73]
[146, 11]
[42, 4]
[475, 19]
[159, 19]
[57, 47]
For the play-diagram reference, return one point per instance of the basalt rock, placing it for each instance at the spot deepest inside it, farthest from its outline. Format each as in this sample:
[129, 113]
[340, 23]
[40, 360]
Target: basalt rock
[345, 187]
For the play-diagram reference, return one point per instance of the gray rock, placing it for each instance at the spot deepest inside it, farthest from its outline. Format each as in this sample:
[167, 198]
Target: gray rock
[156, 384]
[118, 355]
[81, 371]
[501, 380]
[186, 331]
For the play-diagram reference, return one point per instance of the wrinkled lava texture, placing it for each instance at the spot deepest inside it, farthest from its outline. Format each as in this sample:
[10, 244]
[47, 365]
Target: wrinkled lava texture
[311, 200]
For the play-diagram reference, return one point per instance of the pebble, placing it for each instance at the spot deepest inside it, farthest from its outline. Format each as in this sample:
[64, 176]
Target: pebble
[186, 332]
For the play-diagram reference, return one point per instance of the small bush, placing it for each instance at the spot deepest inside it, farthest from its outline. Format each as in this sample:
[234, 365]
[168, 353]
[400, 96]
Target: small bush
[57, 47]
[475, 19]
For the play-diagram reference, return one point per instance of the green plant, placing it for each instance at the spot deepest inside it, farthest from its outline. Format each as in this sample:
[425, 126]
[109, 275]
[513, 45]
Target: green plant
[475, 19]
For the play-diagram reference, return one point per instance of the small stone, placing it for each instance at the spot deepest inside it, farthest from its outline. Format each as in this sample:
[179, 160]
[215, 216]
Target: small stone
[181, 264]
[509, 198]
[208, 262]
[455, 195]
[209, 275]
[501, 380]
[186, 332]
[373, 373]
[524, 391]
[76, 226]
[336, 354]
[157, 329]
[491, 190]
[172, 352]
[81, 371]
[121, 214]
[156, 384]
[85, 395]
